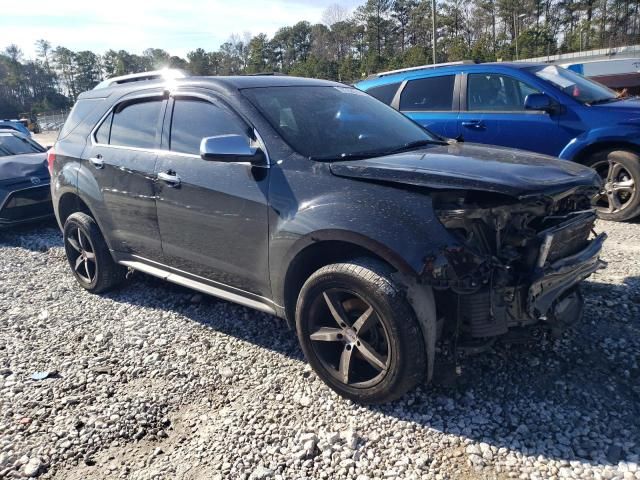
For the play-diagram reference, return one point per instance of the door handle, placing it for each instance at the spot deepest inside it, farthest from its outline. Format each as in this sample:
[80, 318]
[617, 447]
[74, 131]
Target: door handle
[97, 161]
[170, 177]
[475, 124]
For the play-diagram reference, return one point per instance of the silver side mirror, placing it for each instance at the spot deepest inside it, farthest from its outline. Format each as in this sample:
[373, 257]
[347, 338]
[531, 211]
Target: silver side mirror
[231, 148]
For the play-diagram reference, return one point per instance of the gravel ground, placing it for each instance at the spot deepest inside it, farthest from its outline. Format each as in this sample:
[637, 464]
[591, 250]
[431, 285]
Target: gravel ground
[155, 381]
[46, 138]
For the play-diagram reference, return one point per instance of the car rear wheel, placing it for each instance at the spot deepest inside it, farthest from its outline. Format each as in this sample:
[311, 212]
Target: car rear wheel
[619, 199]
[89, 256]
[359, 333]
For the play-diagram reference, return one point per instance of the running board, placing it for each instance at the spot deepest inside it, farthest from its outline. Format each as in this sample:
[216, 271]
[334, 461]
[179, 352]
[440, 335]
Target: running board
[201, 287]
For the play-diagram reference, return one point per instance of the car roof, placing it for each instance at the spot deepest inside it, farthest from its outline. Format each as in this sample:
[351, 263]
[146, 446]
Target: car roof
[227, 84]
[428, 71]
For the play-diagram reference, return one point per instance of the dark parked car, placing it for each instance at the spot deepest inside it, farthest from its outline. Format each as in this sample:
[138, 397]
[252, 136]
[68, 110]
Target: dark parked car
[15, 125]
[24, 180]
[538, 107]
[313, 201]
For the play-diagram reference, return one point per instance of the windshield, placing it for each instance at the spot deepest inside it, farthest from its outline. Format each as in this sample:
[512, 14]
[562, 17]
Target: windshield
[11, 144]
[332, 123]
[580, 88]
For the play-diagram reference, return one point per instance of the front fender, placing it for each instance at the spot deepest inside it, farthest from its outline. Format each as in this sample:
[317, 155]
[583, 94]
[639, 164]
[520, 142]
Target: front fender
[621, 133]
[398, 226]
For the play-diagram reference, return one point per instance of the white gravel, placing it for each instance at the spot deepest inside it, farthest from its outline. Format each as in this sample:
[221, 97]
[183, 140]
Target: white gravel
[155, 381]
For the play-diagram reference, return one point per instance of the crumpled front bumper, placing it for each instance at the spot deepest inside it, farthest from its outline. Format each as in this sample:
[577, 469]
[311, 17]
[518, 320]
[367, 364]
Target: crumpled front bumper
[554, 280]
[549, 295]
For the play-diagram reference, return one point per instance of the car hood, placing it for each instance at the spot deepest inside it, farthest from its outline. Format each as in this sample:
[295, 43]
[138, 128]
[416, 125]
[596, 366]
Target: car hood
[467, 166]
[24, 166]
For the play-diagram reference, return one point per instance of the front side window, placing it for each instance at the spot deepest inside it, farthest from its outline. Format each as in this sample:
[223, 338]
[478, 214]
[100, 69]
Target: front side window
[488, 92]
[195, 119]
[580, 88]
[333, 123]
[433, 94]
[136, 124]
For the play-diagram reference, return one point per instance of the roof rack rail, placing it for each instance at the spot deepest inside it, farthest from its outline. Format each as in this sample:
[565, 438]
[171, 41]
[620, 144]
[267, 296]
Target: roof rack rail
[267, 74]
[164, 74]
[422, 67]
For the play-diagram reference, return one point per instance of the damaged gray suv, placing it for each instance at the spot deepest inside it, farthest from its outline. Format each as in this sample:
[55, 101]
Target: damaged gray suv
[315, 202]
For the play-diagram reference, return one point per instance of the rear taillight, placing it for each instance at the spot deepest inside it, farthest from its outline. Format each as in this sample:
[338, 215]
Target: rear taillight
[51, 157]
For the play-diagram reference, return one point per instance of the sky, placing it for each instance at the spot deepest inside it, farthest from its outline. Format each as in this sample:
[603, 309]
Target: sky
[177, 26]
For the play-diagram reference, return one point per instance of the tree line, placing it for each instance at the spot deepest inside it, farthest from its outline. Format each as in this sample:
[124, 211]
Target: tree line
[346, 46]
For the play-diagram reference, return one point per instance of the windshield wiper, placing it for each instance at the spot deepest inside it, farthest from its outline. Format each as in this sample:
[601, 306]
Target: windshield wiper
[413, 145]
[605, 100]
[347, 156]
[378, 153]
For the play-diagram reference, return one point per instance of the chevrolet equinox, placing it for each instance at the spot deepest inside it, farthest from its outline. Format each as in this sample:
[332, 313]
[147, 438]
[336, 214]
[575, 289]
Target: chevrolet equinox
[313, 201]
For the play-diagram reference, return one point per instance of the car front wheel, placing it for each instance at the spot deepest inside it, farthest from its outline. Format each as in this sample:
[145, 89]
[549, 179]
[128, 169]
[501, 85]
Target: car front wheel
[359, 332]
[619, 199]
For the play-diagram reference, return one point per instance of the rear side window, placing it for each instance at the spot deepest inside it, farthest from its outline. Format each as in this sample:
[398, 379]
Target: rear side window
[384, 93]
[434, 94]
[195, 119]
[136, 125]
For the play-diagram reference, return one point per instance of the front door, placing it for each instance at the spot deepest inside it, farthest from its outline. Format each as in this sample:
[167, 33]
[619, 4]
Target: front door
[495, 115]
[122, 159]
[212, 215]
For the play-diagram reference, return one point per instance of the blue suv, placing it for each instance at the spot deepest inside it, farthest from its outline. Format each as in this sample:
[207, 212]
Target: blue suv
[538, 107]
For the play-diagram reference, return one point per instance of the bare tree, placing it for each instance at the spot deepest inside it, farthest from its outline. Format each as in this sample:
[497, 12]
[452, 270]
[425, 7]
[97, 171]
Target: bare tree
[334, 14]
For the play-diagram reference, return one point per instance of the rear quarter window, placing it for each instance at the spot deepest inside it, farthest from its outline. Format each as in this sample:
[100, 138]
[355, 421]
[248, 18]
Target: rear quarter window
[79, 112]
[384, 93]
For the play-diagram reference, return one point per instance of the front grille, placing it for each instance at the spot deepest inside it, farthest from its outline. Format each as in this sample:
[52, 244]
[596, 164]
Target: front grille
[569, 237]
[29, 203]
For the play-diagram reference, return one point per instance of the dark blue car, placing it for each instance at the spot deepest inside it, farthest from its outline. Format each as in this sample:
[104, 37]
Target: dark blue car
[15, 125]
[537, 107]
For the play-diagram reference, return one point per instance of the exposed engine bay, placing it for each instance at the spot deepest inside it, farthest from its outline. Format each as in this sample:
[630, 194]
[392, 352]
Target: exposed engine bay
[518, 262]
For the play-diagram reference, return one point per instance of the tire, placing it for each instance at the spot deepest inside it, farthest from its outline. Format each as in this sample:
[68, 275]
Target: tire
[620, 170]
[88, 255]
[391, 330]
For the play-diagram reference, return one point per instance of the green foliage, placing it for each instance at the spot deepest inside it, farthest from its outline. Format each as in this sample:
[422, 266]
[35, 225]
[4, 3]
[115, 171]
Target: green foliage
[377, 35]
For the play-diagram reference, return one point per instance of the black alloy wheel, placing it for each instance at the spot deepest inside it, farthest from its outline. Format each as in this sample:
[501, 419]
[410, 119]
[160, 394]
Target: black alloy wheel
[349, 338]
[359, 332]
[89, 256]
[81, 255]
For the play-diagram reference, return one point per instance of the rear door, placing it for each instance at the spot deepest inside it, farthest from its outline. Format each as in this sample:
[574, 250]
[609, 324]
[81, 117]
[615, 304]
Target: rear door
[122, 158]
[493, 113]
[431, 102]
[213, 215]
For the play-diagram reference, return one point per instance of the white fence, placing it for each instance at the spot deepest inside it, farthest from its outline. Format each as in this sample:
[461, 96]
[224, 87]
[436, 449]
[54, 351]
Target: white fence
[603, 53]
[52, 121]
